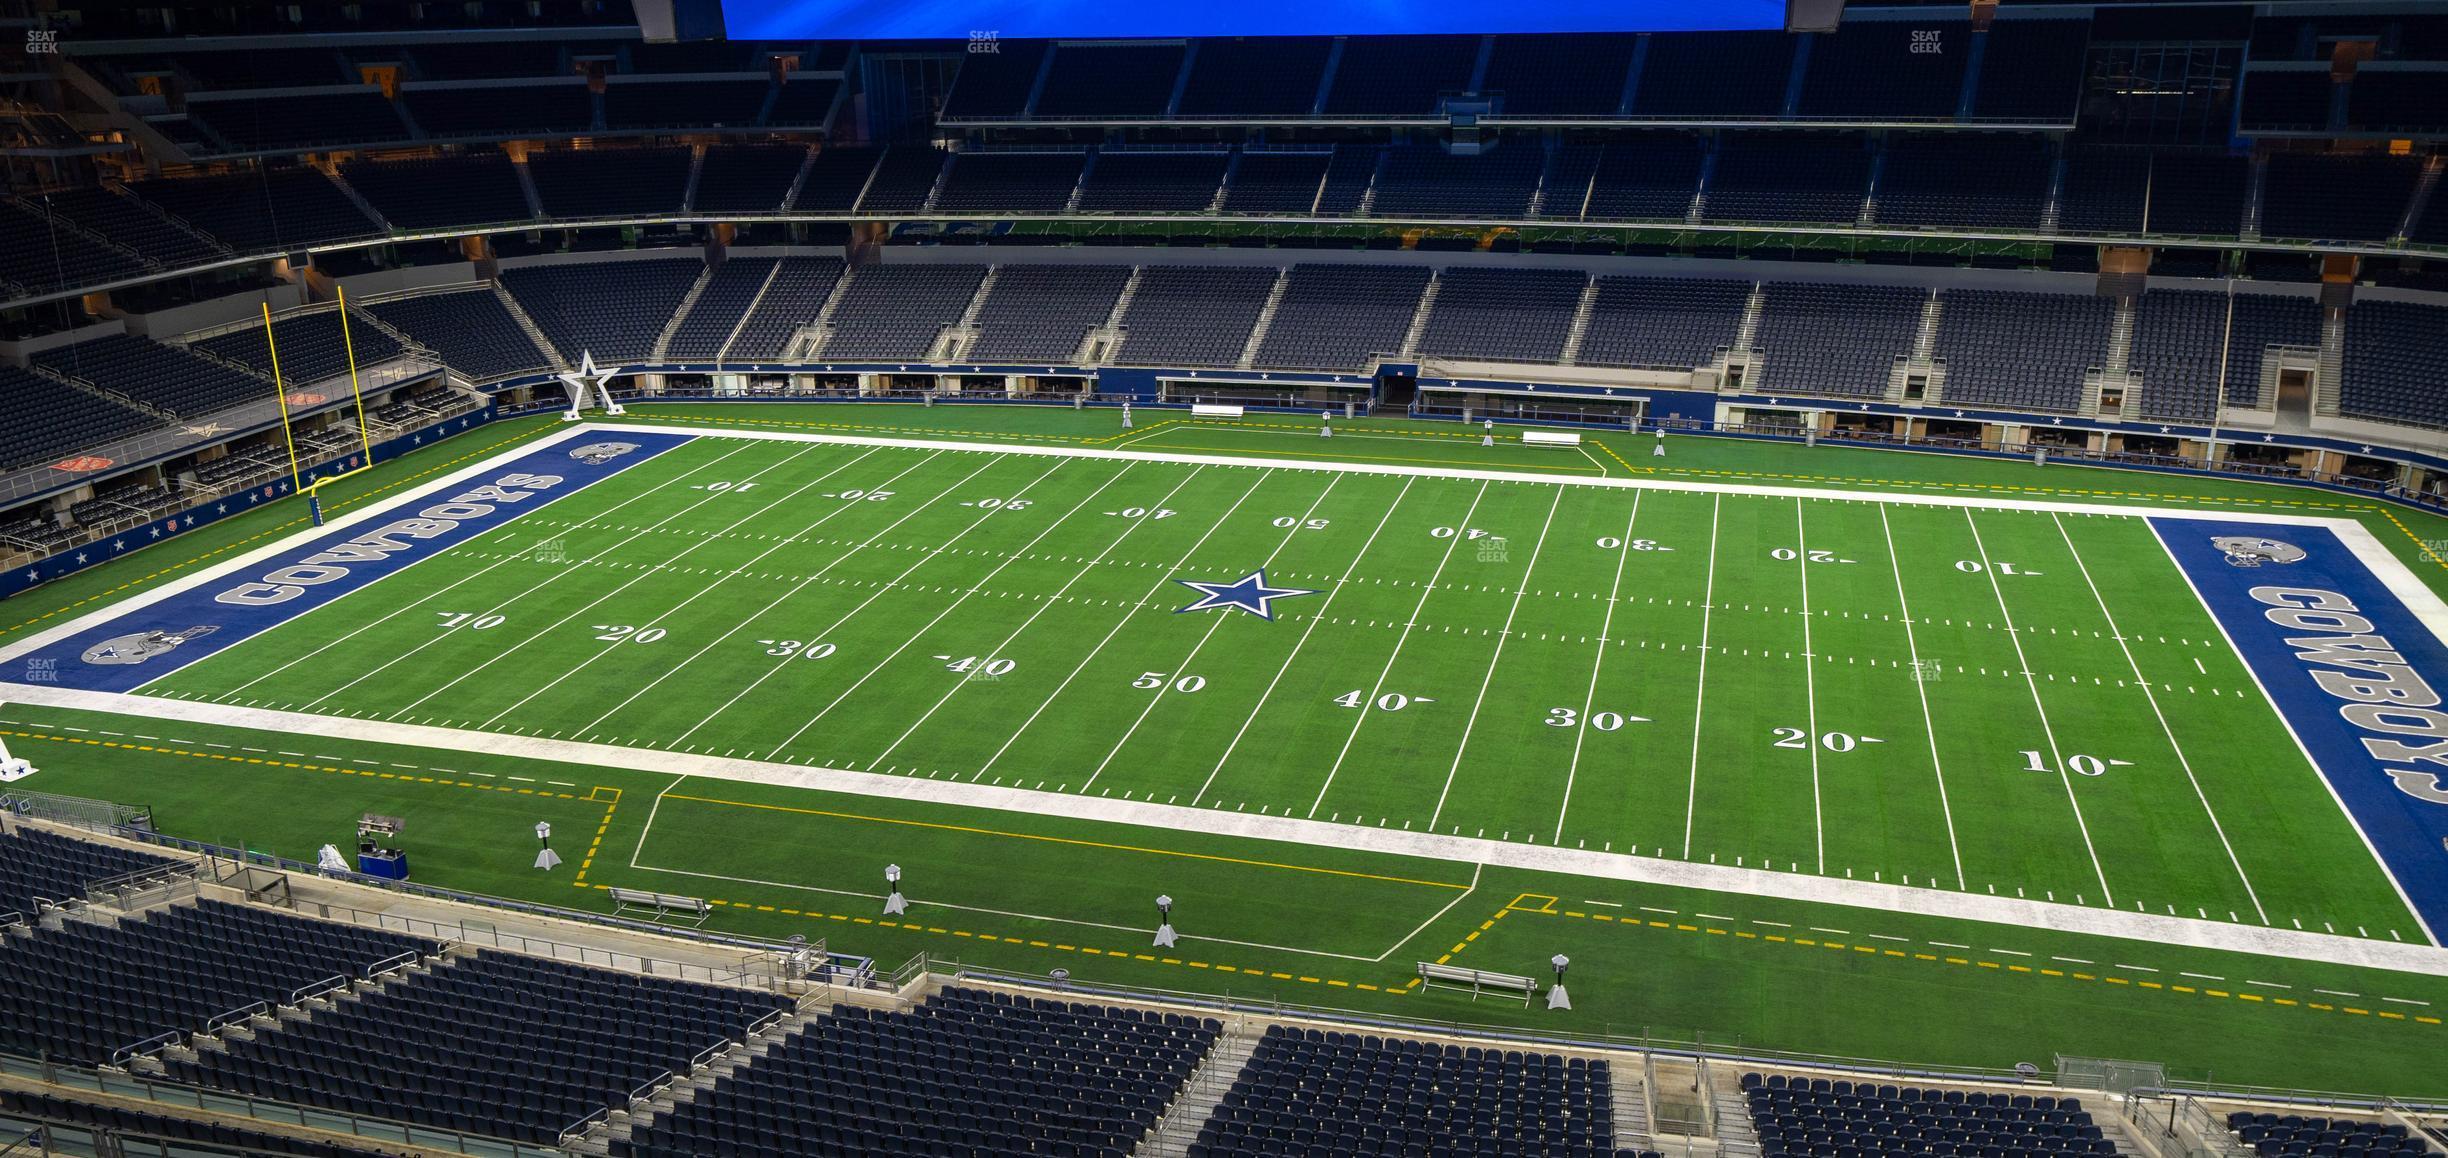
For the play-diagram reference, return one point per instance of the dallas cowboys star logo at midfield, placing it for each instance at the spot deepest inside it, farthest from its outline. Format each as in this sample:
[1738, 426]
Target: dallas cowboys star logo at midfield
[1250, 593]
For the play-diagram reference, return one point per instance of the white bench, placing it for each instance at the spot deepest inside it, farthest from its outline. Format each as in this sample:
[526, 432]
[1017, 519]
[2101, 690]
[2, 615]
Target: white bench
[1214, 410]
[1558, 438]
[691, 909]
[1477, 981]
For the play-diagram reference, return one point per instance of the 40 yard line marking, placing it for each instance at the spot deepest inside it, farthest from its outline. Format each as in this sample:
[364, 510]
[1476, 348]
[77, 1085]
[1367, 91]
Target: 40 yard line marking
[1306, 630]
[1708, 603]
[1189, 661]
[1376, 689]
[1472, 720]
[1606, 632]
[760, 613]
[1152, 591]
[1990, 569]
[2143, 681]
[1929, 728]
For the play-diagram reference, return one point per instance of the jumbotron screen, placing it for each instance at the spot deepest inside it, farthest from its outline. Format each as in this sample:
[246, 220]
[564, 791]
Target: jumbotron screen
[1014, 19]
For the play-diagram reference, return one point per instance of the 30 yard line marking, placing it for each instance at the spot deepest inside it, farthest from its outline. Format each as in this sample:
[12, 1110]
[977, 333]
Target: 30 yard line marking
[643, 574]
[701, 590]
[1119, 624]
[888, 585]
[963, 598]
[2164, 727]
[1217, 621]
[1929, 728]
[373, 622]
[1810, 686]
[1339, 584]
[1042, 607]
[1606, 631]
[1708, 602]
[1369, 705]
[1463, 747]
[761, 612]
[1990, 569]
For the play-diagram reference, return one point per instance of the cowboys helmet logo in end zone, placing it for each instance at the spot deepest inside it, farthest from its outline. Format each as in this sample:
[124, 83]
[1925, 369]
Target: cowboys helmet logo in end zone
[599, 453]
[142, 645]
[2251, 551]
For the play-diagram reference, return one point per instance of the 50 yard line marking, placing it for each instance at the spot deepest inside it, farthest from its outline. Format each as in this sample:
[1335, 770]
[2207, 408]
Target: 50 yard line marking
[1990, 569]
[1311, 627]
[1606, 631]
[1470, 722]
[1122, 622]
[1216, 623]
[1810, 686]
[1929, 728]
[1708, 602]
[2170, 732]
[1369, 705]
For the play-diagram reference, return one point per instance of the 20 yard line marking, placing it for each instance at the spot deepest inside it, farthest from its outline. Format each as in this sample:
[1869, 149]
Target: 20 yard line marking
[1708, 600]
[1990, 569]
[1369, 705]
[1929, 727]
[1463, 748]
[1297, 644]
[1810, 686]
[1217, 622]
[1606, 631]
[2164, 727]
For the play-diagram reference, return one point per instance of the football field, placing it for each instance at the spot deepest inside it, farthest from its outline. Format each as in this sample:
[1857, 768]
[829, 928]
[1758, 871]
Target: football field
[1990, 697]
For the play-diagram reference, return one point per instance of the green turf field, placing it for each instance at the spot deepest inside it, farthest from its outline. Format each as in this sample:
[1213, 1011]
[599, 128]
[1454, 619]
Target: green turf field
[2009, 701]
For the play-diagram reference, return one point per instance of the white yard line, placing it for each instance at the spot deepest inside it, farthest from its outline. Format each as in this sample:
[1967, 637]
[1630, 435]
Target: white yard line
[700, 591]
[963, 598]
[878, 593]
[1439, 915]
[1810, 688]
[1369, 705]
[373, 622]
[1944, 903]
[1606, 635]
[1485, 681]
[652, 810]
[1120, 623]
[1341, 582]
[592, 604]
[1929, 728]
[760, 613]
[1708, 603]
[539, 585]
[1215, 623]
[2056, 755]
[1043, 606]
[2144, 682]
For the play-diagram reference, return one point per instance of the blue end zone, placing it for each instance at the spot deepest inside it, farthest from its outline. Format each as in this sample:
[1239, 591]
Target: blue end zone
[2353, 672]
[147, 643]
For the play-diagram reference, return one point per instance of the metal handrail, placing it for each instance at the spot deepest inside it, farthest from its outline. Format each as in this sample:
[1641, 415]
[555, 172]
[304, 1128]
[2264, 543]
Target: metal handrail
[231, 1017]
[160, 1041]
[317, 988]
[578, 1129]
[391, 964]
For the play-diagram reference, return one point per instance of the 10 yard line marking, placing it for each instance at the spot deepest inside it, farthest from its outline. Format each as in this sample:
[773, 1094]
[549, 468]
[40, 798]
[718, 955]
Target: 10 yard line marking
[1463, 748]
[1216, 623]
[1990, 569]
[1297, 644]
[761, 612]
[974, 588]
[1708, 600]
[703, 590]
[1606, 631]
[888, 585]
[1124, 621]
[1369, 705]
[1042, 607]
[1810, 686]
[2164, 727]
[1929, 727]
[377, 621]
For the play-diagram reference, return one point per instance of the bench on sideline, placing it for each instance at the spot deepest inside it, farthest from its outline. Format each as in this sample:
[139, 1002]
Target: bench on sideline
[1214, 410]
[694, 910]
[1477, 981]
[1558, 438]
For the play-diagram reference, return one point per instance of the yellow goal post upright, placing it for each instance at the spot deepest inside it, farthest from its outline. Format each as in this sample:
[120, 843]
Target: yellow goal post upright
[365, 437]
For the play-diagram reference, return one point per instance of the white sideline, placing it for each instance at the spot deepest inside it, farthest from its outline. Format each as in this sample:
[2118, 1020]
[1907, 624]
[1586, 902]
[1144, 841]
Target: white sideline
[2421, 601]
[2325, 948]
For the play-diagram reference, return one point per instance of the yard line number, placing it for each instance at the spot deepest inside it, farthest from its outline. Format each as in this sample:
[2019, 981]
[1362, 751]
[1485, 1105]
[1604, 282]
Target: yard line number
[989, 666]
[627, 633]
[1143, 513]
[1156, 679]
[1814, 555]
[470, 620]
[800, 648]
[2078, 763]
[1603, 721]
[1389, 702]
[1832, 741]
[1611, 543]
